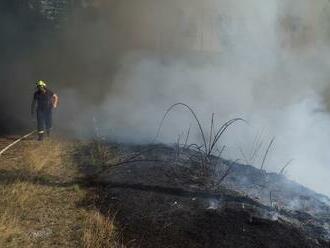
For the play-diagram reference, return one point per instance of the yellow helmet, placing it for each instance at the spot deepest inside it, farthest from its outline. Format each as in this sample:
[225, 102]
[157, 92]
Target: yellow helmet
[41, 83]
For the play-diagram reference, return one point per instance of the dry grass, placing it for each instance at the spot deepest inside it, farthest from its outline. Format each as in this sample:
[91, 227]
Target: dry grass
[208, 148]
[45, 158]
[100, 232]
[99, 154]
[9, 229]
[42, 206]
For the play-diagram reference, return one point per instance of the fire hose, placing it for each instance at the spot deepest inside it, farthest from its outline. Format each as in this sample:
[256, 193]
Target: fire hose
[16, 141]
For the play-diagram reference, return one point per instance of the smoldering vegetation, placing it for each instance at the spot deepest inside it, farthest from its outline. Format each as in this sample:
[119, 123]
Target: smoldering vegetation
[182, 197]
[118, 64]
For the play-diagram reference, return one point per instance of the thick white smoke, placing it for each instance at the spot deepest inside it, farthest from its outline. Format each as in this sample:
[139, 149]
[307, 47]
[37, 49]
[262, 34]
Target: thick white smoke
[265, 61]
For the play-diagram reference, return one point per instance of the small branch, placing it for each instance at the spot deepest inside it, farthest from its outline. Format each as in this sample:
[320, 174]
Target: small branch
[193, 114]
[134, 161]
[285, 166]
[187, 137]
[211, 132]
[267, 151]
[222, 150]
[243, 155]
[227, 172]
[221, 130]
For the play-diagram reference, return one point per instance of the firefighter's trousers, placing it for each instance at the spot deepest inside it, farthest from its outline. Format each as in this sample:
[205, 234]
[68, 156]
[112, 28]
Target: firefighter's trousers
[44, 121]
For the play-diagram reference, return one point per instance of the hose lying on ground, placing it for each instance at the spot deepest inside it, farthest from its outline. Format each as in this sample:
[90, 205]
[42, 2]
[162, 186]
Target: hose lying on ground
[15, 142]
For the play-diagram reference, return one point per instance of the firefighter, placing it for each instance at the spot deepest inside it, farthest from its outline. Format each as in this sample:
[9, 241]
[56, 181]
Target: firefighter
[46, 101]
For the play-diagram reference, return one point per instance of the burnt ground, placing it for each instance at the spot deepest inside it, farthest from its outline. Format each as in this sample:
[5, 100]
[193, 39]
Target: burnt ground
[161, 196]
[164, 197]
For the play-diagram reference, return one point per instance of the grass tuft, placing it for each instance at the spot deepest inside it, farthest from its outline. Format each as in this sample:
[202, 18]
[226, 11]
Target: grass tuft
[100, 231]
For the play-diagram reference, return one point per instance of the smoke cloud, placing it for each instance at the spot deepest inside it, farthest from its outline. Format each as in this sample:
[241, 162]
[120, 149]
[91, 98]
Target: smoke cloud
[118, 65]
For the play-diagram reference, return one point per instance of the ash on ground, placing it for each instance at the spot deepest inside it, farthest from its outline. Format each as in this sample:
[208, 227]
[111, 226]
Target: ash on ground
[167, 196]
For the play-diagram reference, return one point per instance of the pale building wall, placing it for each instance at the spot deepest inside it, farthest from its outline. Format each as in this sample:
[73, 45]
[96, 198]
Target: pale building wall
[206, 25]
[303, 23]
[169, 25]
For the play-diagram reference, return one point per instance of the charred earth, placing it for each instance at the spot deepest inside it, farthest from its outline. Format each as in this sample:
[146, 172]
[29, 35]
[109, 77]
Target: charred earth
[166, 196]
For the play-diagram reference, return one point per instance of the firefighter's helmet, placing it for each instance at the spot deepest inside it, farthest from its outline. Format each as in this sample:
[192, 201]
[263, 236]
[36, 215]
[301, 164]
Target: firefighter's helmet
[41, 83]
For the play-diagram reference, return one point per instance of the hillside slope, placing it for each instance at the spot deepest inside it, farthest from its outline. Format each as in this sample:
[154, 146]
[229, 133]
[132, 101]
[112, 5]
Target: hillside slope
[67, 193]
